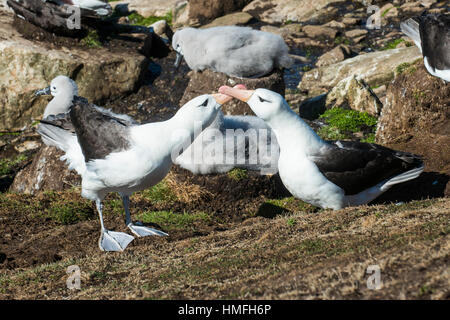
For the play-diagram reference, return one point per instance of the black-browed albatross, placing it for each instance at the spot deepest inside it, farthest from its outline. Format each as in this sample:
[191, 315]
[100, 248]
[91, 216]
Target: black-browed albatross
[115, 155]
[328, 174]
[431, 34]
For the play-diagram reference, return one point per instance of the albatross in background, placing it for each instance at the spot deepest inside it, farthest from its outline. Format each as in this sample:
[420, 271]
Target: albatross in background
[113, 154]
[235, 51]
[431, 34]
[101, 8]
[328, 174]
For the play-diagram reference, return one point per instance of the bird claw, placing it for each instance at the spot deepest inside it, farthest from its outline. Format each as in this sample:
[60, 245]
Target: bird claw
[141, 231]
[114, 241]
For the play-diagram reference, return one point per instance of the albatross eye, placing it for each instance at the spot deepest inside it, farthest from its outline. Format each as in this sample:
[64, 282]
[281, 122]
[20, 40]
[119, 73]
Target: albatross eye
[204, 104]
[262, 99]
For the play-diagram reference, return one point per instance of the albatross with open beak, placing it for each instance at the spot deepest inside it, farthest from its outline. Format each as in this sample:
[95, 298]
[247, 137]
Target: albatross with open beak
[115, 155]
[328, 174]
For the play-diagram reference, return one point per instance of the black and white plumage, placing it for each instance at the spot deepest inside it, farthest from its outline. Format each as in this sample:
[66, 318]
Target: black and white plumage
[114, 154]
[431, 33]
[328, 174]
[235, 51]
[232, 142]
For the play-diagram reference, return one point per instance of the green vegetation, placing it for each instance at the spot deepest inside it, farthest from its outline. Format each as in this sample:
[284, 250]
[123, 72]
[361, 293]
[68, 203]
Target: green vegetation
[343, 122]
[341, 40]
[7, 165]
[169, 220]
[92, 40]
[238, 174]
[138, 20]
[159, 193]
[274, 207]
[69, 212]
[394, 43]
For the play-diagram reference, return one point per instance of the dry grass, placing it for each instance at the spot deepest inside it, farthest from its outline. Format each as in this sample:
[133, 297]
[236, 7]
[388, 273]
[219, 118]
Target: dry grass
[300, 255]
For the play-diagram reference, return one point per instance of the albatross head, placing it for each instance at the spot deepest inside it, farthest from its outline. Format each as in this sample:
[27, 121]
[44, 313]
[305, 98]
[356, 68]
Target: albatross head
[60, 85]
[178, 41]
[264, 103]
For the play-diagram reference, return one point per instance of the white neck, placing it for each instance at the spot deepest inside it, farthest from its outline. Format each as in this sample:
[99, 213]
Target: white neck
[59, 104]
[293, 133]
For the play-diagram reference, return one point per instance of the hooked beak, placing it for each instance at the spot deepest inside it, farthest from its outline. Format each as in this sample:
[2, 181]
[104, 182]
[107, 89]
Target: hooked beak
[178, 60]
[236, 92]
[45, 91]
[222, 98]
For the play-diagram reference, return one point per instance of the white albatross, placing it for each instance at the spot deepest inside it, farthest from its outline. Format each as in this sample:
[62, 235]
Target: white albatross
[235, 51]
[431, 34]
[113, 154]
[328, 174]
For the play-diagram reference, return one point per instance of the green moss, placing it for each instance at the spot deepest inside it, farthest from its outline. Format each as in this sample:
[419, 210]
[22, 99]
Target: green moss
[7, 165]
[174, 221]
[238, 174]
[341, 40]
[70, 212]
[92, 40]
[393, 44]
[402, 67]
[138, 20]
[160, 193]
[348, 120]
[331, 133]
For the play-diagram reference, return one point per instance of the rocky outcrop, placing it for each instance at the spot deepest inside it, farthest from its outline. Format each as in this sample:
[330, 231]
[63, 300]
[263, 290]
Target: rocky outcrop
[338, 54]
[146, 8]
[375, 68]
[349, 93]
[232, 19]
[198, 12]
[354, 94]
[26, 66]
[208, 81]
[46, 172]
[416, 118]
[279, 11]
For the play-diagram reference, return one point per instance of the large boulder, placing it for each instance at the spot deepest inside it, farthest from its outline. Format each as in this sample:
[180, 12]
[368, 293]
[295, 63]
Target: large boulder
[279, 11]
[46, 172]
[148, 7]
[416, 118]
[26, 66]
[208, 81]
[198, 12]
[376, 68]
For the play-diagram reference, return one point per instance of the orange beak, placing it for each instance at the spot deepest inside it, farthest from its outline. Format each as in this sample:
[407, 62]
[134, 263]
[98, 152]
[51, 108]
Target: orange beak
[241, 94]
[222, 98]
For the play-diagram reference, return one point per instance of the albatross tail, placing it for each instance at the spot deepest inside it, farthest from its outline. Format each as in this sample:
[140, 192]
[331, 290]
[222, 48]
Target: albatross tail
[410, 27]
[371, 193]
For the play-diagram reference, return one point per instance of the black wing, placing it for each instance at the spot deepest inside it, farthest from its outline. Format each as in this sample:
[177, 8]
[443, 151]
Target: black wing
[99, 133]
[435, 38]
[355, 166]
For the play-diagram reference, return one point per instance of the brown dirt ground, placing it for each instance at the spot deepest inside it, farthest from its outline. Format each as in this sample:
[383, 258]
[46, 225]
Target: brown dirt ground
[296, 254]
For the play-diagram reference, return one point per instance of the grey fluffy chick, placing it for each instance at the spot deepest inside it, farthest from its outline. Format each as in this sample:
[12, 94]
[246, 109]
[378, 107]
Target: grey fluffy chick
[235, 51]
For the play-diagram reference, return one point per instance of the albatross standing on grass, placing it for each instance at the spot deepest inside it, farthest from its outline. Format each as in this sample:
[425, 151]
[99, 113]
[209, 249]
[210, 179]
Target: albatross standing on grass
[113, 154]
[235, 51]
[328, 174]
[431, 34]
